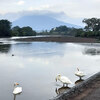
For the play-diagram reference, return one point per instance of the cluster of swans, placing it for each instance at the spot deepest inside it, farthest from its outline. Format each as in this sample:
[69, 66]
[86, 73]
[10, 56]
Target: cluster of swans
[66, 80]
[63, 79]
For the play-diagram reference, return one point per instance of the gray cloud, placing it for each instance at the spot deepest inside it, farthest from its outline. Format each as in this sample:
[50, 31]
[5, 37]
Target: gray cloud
[72, 8]
[59, 16]
[5, 0]
[65, 10]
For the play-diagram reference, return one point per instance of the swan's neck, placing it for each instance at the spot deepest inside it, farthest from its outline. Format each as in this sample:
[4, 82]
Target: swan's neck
[15, 86]
[59, 77]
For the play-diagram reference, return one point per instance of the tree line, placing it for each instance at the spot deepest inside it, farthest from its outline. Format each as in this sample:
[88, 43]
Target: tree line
[91, 29]
[61, 30]
[24, 31]
[6, 30]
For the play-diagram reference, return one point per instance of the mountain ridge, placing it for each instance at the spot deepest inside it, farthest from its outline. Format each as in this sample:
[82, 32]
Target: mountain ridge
[40, 22]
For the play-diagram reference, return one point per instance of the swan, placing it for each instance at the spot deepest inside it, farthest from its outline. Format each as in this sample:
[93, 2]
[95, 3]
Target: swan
[79, 73]
[17, 90]
[64, 80]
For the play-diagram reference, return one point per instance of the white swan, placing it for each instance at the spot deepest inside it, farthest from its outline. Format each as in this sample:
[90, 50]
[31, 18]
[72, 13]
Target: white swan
[17, 90]
[63, 79]
[79, 73]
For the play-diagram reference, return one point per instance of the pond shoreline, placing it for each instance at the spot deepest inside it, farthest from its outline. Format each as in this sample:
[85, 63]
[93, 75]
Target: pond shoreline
[58, 39]
[87, 90]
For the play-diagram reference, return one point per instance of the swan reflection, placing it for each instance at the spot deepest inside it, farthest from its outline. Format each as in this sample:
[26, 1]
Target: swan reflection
[14, 97]
[61, 90]
[79, 81]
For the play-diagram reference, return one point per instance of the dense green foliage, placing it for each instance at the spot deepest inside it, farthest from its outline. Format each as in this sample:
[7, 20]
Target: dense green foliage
[92, 28]
[61, 30]
[7, 31]
[5, 28]
[15, 31]
[93, 34]
[92, 24]
[24, 31]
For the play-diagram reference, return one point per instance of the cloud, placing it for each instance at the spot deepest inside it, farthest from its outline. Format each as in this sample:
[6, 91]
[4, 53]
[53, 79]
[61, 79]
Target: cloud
[20, 2]
[43, 7]
[74, 9]
[79, 8]
[57, 15]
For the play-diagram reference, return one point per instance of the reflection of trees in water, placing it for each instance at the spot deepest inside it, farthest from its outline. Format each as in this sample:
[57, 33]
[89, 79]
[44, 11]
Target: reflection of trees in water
[92, 51]
[61, 90]
[4, 48]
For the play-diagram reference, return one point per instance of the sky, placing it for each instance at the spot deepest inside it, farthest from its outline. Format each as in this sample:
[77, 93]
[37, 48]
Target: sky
[74, 9]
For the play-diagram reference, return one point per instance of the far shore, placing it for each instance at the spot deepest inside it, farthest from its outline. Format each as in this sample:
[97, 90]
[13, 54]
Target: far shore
[59, 39]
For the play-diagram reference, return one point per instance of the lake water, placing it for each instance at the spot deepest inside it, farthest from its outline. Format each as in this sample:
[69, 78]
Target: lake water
[36, 64]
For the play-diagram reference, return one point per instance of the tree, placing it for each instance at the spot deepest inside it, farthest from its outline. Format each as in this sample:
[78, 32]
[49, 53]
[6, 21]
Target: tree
[5, 28]
[79, 32]
[27, 31]
[59, 29]
[92, 24]
[24, 31]
[16, 31]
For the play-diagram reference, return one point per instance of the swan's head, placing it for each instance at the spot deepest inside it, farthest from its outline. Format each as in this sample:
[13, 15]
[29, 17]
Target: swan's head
[78, 69]
[15, 84]
[58, 76]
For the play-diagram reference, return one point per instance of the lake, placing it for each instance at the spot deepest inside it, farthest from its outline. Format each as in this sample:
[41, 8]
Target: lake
[36, 64]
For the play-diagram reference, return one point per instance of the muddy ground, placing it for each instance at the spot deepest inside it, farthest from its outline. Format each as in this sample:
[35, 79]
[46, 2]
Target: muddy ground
[59, 39]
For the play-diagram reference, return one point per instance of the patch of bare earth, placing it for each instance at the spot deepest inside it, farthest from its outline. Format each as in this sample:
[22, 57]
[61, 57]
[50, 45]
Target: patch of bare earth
[91, 93]
[87, 90]
[60, 39]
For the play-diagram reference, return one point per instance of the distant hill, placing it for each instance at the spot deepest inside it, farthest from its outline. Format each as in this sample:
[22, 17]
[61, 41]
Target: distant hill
[40, 22]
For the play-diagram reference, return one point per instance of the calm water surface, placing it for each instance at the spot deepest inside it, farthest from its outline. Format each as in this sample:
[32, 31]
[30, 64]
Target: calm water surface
[36, 64]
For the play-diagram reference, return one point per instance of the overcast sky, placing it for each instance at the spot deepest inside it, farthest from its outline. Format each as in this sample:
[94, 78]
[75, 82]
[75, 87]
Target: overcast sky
[71, 8]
